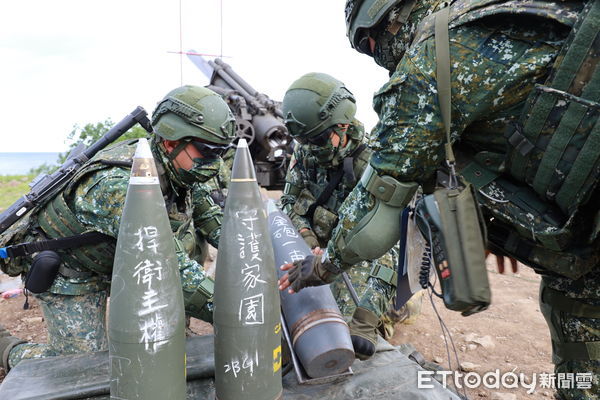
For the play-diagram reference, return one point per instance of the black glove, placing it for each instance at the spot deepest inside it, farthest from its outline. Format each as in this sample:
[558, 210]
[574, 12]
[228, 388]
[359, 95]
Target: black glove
[311, 272]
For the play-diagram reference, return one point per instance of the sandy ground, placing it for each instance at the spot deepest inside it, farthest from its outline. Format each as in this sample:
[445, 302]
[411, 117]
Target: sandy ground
[510, 336]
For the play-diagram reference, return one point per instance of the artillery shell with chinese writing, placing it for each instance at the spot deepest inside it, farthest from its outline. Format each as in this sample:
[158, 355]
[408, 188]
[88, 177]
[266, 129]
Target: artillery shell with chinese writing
[246, 314]
[146, 327]
[319, 334]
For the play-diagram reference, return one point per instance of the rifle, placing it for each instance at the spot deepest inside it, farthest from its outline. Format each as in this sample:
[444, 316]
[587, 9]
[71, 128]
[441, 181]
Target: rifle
[259, 120]
[46, 186]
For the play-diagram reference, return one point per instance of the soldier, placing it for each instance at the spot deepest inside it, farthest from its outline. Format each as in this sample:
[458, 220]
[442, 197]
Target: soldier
[319, 113]
[192, 128]
[535, 151]
[219, 185]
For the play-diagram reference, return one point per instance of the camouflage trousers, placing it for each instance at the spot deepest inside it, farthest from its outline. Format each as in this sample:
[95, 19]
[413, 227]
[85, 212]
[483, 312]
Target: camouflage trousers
[76, 324]
[375, 294]
[572, 312]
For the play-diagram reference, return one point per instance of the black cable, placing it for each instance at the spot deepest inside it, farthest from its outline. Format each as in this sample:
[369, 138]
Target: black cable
[287, 368]
[426, 259]
[445, 330]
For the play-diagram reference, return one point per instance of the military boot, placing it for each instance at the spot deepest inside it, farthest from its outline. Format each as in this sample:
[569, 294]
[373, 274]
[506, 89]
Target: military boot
[7, 342]
[406, 315]
[363, 332]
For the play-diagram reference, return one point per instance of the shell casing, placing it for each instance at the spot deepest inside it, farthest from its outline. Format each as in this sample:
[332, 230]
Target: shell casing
[146, 325]
[247, 309]
[320, 336]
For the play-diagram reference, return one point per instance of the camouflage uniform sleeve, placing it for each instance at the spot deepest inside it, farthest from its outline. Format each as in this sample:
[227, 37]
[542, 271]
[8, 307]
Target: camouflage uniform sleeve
[406, 141]
[99, 202]
[207, 215]
[224, 174]
[493, 70]
[294, 184]
[100, 198]
[197, 288]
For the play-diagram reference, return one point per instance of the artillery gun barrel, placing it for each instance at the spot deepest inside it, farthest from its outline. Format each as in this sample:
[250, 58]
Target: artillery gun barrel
[245, 85]
[225, 75]
[262, 99]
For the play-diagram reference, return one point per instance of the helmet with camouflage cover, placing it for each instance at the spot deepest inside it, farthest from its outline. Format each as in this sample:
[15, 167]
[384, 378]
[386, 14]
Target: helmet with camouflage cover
[193, 111]
[384, 29]
[362, 15]
[315, 102]
[197, 116]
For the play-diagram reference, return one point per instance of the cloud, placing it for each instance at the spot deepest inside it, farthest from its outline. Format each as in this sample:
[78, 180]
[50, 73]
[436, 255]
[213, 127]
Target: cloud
[57, 45]
[70, 62]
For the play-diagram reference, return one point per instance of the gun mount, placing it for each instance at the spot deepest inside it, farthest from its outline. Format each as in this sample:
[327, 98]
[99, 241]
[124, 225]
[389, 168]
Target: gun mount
[259, 120]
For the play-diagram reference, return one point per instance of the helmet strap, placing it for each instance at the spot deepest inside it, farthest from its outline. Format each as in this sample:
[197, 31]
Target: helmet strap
[162, 179]
[402, 16]
[167, 176]
[178, 149]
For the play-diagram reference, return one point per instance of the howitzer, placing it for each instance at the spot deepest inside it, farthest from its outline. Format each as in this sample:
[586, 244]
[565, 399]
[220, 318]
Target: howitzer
[46, 186]
[259, 120]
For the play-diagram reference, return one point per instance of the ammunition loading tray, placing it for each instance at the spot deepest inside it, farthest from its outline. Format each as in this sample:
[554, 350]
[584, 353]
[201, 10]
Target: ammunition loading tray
[389, 374]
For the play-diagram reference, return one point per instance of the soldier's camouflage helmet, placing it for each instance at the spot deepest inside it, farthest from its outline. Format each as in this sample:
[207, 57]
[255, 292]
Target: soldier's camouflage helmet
[316, 102]
[193, 111]
[362, 15]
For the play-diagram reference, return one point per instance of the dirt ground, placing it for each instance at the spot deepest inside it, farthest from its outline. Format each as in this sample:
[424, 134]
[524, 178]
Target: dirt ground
[510, 336]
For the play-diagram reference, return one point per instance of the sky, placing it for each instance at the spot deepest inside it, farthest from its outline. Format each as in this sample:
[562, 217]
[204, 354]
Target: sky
[65, 62]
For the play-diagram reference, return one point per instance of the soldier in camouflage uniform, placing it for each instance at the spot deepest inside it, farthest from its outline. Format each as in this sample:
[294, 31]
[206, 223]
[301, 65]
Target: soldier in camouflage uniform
[193, 127]
[544, 206]
[219, 184]
[330, 155]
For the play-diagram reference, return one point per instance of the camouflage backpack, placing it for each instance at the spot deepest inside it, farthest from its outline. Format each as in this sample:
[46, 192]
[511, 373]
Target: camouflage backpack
[54, 219]
[543, 209]
[17, 233]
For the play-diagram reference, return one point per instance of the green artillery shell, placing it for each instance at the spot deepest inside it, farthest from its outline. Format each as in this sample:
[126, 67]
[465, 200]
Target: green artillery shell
[247, 311]
[146, 327]
[320, 336]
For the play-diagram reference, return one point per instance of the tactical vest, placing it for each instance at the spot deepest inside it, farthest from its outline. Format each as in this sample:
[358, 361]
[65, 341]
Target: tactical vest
[325, 216]
[56, 219]
[537, 199]
[465, 11]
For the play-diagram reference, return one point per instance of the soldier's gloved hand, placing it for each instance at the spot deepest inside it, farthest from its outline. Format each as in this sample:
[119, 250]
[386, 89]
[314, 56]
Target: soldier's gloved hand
[363, 332]
[311, 271]
[310, 238]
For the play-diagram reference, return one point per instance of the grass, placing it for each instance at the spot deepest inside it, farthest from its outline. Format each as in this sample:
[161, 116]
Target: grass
[12, 187]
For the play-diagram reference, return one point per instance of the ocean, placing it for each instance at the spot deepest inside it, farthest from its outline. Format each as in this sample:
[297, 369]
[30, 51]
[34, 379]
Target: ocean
[21, 163]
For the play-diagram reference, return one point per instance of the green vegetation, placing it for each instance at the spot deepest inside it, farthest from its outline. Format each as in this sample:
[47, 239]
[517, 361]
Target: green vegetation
[92, 132]
[87, 135]
[12, 187]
